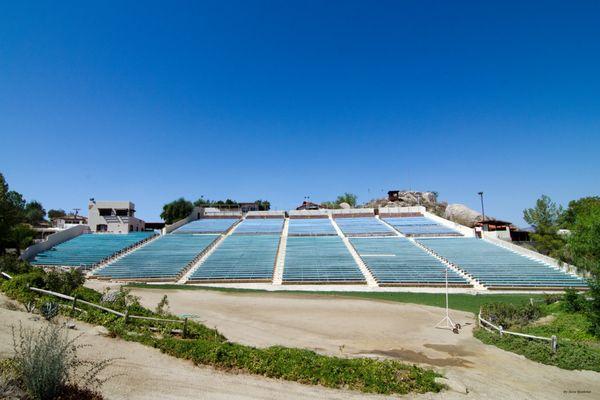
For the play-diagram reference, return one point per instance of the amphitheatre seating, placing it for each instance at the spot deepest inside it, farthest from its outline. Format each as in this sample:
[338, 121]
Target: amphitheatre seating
[420, 226]
[88, 249]
[395, 261]
[163, 258]
[259, 226]
[310, 227]
[319, 259]
[499, 268]
[207, 225]
[240, 258]
[365, 226]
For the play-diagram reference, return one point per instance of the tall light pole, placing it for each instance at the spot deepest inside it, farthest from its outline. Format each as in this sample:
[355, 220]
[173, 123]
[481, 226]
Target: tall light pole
[482, 209]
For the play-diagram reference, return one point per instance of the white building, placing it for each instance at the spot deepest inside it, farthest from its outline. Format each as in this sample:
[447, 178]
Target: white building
[113, 217]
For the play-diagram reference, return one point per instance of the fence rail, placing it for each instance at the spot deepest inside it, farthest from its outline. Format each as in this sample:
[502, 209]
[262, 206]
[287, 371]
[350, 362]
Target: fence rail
[486, 324]
[124, 315]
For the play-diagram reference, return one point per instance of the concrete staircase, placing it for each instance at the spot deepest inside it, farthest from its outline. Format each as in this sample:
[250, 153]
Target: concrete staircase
[200, 258]
[280, 260]
[371, 282]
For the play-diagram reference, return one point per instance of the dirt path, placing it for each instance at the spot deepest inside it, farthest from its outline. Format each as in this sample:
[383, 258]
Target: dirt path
[354, 327]
[149, 374]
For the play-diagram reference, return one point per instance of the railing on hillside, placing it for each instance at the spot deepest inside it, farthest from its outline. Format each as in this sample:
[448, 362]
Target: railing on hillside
[485, 324]
[124, 315]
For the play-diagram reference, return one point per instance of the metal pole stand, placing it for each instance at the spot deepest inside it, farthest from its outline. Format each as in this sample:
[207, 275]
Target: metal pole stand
[446, 322]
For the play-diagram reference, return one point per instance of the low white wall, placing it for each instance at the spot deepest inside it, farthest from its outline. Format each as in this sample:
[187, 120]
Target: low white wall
[466, 231]
[269, 213]
[502, 235]
[401, 210]
[342, 211]
[308, 213]
[192, 217]
[535, 255]
[53, 240]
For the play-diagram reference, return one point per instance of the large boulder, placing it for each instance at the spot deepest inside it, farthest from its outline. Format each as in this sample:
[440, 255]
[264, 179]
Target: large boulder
[462, 214]
[345, 206]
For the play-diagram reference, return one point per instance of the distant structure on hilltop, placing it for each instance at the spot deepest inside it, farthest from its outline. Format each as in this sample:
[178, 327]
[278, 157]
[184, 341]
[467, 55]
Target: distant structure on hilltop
[113, 217]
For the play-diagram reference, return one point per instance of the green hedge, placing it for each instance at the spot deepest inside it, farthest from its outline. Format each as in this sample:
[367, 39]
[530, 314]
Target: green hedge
[569, 355]
[304, 366]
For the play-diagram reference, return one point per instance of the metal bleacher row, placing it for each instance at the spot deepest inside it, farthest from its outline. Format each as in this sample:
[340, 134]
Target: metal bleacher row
[420, 226]
[396, 261]
[311, 227]
[323, 259]
[363, 226]
[162, 258]
[497, 267]
[260, 226]
[240, 258]
[88, 249]
[207, 225]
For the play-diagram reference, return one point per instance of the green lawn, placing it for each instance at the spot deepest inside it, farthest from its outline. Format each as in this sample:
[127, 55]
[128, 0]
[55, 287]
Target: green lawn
[462, 302]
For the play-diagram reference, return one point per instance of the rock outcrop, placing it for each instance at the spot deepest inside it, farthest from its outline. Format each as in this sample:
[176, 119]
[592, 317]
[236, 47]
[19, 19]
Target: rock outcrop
[462, 214]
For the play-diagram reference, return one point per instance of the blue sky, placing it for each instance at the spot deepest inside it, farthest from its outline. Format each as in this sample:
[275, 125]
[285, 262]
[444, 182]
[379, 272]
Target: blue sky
[281, 100]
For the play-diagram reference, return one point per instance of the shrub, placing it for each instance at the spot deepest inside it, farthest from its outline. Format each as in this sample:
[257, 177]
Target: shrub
[44, 359]
[569, 355]
[551, 298]
[510, 315]
[48, 366]
[573, 301]
[11, 264]
[63, 281]
[18, 287]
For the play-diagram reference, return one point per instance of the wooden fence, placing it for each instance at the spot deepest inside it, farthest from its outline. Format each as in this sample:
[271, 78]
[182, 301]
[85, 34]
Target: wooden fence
[124, 315]
[487, 325]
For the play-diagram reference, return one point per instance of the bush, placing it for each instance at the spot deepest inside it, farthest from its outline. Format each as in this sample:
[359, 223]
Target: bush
[569, 355]
[48, 366]
[510, 315]
[305, 366]
[573, 301]
[12, 265]
[18, 287]
[44, 359]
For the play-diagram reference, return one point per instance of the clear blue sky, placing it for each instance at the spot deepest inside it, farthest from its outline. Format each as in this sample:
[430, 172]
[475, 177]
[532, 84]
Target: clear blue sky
[279, 100]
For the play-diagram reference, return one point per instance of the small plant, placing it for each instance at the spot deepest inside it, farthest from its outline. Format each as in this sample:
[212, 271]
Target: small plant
[511, 315]
[47, 363]
[574, 302]
[49, 310]
[163, 306]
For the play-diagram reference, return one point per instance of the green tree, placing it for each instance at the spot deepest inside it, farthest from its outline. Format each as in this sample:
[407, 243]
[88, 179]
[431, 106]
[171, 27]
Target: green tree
[349, 198]
[12, 209]
[176, 210]
[21, 236]
[584, 242]
[578, 207]
[544, 219]
[54, 214]
[263, 205]
[34, 212]
[544, 216]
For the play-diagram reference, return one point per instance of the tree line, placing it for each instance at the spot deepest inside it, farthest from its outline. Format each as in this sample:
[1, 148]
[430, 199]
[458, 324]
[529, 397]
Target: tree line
[181, 208]
[17, 216]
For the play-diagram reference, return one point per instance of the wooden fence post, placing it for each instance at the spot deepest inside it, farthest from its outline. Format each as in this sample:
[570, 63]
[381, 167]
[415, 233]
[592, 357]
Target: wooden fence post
[501, 331]
[185, 323]
[554, 343]
[74, 305]
[126, 317]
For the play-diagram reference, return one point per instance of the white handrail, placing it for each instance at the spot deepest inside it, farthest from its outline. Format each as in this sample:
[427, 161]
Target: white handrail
[553, 340]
